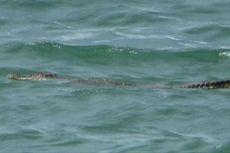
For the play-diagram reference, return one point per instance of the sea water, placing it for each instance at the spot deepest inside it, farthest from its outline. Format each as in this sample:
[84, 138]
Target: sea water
[150, 43]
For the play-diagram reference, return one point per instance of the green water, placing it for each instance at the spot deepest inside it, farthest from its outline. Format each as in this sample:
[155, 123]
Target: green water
[149, 43]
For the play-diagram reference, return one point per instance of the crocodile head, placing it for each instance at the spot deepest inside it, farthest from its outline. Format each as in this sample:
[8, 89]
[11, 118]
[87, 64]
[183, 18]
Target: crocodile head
[35, 76]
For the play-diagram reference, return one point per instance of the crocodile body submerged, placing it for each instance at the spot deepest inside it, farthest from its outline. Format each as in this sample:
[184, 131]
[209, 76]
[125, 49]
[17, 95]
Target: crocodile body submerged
[52, 76]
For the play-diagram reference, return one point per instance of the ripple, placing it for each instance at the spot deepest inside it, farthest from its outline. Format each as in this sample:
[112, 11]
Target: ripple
[23, 133]
[212, 31]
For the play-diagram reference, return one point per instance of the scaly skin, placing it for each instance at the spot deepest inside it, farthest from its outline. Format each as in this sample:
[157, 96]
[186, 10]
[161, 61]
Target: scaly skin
[35, 76]
[51, 76]
[210, 85]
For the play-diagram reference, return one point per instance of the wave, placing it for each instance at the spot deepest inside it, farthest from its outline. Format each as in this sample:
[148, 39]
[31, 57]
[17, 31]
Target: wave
[115, 62]
[57, 50]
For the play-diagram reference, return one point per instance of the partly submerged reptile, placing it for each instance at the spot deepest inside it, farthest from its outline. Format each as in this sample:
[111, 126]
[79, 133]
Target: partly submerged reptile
[51, 76]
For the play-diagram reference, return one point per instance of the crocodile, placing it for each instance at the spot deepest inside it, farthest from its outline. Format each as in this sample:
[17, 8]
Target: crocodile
[52, 76]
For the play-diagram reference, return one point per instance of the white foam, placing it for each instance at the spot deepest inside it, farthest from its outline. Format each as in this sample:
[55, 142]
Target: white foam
[227, 54]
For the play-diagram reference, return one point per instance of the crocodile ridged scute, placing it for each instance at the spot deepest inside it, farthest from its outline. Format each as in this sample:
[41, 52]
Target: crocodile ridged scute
[210, 85]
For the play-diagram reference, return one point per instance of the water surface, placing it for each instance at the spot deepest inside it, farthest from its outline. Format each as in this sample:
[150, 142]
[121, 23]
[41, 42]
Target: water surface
[162, 43]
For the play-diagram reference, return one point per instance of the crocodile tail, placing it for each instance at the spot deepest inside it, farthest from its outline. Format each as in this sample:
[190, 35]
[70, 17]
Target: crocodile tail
[210, 85]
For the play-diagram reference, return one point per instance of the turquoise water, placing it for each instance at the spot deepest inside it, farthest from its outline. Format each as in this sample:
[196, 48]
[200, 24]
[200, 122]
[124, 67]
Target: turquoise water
[150, 43]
